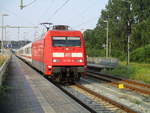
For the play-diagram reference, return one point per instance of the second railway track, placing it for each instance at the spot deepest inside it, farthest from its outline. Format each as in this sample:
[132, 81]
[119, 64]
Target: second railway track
[130, 84]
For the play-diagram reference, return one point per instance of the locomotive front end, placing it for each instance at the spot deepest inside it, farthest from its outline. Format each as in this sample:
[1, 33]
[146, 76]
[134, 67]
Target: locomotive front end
[68, 56]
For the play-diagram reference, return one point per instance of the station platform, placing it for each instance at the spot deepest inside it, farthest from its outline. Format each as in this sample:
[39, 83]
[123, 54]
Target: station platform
[100, 66]
[29, 92]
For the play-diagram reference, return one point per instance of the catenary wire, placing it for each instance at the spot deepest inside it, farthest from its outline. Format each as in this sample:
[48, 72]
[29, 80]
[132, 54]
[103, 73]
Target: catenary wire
[58, 9]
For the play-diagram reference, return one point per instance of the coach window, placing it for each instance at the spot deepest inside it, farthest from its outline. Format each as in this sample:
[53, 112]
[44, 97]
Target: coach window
[21, 51]
[26, 51]
[29, 50]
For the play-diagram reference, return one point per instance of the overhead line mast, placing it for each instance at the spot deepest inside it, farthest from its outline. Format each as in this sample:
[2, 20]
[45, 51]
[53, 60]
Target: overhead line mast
[18, 27]
[23, 6]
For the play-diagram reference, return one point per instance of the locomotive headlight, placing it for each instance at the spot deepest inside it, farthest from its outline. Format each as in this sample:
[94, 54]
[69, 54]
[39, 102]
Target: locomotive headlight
[79, 60]
[49, 66]
[56, 60]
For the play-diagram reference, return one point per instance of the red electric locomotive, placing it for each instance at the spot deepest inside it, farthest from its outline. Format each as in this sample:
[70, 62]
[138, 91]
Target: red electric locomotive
[60, 54]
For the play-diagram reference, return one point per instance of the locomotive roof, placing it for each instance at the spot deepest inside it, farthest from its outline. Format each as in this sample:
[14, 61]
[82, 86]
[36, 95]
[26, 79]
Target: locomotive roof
[66, 32]
[59, 32]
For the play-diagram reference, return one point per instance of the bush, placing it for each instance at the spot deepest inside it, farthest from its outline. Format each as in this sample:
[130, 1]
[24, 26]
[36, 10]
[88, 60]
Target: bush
[141, 54]
[95, 52]
[118, 54]
[135, 71]
[2, 59]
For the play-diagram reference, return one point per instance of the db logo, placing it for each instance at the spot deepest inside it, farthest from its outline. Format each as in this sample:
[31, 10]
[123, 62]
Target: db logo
[67, 60]
[67, 54]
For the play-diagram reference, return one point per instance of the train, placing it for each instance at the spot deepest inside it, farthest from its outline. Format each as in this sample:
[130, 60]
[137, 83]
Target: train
[60, 54]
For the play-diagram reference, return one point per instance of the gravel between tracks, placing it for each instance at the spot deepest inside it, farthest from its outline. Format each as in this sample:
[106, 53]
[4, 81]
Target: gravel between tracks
[130, 99]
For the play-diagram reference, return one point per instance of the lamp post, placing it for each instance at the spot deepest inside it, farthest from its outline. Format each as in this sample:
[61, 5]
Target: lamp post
[2, 43]
[107, 40]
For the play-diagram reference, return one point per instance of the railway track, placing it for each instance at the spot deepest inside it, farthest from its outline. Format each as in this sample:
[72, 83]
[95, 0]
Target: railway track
[130, 84]
[76, 99]
[119, 105]
[126, 97]
[109, 103]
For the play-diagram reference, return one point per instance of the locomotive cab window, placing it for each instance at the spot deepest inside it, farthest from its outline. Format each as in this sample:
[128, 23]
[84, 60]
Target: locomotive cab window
[66, 41]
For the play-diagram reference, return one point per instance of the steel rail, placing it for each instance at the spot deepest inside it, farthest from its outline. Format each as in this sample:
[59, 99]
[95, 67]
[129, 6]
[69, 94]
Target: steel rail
[119, 105]
[75, 98]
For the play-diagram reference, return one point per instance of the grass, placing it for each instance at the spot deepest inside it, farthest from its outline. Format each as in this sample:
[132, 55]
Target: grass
[2, 59]
[136, 102]
[135, 71]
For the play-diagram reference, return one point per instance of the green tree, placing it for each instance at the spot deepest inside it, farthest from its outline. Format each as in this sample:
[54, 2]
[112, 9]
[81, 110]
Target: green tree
[131, 17]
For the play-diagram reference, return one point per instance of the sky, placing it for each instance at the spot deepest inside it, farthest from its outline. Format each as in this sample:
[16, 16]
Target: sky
[78, 14]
